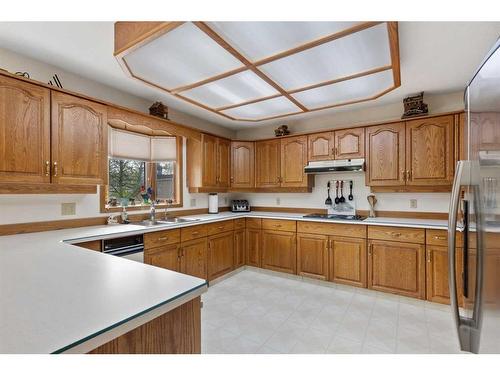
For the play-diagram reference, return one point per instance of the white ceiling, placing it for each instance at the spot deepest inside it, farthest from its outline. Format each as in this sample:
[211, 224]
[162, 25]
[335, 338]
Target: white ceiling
[436, 57]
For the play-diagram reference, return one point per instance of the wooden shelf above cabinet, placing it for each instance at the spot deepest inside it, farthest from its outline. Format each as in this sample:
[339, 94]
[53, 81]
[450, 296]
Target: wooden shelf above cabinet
[11, 188]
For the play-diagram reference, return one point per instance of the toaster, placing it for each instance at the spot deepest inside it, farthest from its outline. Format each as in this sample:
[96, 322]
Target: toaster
[240, 205]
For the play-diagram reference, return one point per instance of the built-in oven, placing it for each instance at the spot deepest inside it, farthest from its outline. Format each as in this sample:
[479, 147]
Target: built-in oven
[130, 247]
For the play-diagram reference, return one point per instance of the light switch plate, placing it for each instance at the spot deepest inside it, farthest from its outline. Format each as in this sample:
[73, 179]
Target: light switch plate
[68, 208]
[413, 203]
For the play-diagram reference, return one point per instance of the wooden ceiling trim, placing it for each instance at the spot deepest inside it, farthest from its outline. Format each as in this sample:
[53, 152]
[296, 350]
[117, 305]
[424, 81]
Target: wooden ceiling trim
[219, 40]
[248, 102]
[317, 42]
[218, 77]
[392, 29]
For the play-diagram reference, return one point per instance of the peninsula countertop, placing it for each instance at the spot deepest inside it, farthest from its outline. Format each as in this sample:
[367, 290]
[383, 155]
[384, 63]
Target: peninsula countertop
[55, 296]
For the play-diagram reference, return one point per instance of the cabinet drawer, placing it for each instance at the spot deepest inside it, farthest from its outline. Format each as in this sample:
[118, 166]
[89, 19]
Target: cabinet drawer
[275, 224]
[344, 230]
[439, 237]
[410, 235]
[196, 231]
[239, 223]
[165, 237]
[220, 227]
[253, 223]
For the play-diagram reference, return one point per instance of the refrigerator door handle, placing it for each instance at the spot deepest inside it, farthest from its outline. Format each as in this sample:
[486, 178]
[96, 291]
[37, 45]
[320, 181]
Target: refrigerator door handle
[468, 329]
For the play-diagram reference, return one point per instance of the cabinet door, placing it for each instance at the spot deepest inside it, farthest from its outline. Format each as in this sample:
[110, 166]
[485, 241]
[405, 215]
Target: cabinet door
[320, 146]
[267, 163]
[220, 254]
[484, 132]
[209, 160]
[79, 141]
[253, 249]
[239, 248]
[437, 274]
[350, 143]
[242, 164]
[24, 132]
[223, 162]
[293, 161]
[348, 261]
[397, 267]
[429, 151]
[279, 251]
[167, 256]
[312, 255]
[385, 155]
[194, 258]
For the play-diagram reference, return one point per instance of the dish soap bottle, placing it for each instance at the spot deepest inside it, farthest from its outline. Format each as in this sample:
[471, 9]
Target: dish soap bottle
[124, 216]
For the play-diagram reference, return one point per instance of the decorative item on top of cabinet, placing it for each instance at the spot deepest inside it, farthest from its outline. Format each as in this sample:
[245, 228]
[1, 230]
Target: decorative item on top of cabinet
[350, 143]
[208, 163]
[159, 109]
[414, 106]
[385, 155]
[25, 129]
[242, 165]
[79, 141]
[281, 131]
[429, 151]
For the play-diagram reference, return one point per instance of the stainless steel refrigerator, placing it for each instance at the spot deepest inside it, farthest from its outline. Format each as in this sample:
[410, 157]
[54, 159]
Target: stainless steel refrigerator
[474, 254]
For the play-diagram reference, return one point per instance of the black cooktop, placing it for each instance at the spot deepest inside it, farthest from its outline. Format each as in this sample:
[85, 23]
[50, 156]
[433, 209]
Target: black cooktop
[334, 217]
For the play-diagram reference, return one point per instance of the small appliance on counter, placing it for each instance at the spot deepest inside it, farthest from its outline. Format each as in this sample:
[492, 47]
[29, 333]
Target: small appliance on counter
[240, 205]
[213, 203]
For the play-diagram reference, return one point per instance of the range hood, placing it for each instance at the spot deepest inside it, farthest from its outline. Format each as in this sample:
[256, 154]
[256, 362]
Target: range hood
[331, 166]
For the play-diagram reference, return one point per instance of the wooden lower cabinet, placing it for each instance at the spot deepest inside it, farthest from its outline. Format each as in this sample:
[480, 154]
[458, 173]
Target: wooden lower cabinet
[438, 275]
[220, 254]
[347, 258]
[91, 245]
[279, 251]
[253, 247]
[194, 258]
[167, 256]
[397, 267]
[239, 248]
[312, 255]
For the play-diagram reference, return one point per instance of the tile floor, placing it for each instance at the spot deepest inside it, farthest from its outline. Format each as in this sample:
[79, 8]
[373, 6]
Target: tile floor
[257, 311]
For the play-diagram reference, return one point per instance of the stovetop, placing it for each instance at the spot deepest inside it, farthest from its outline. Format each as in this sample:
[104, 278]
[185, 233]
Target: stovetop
[335, 217]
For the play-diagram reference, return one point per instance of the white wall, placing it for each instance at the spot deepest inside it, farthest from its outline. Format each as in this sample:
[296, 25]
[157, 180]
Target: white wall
[426, 202]
[354, 117]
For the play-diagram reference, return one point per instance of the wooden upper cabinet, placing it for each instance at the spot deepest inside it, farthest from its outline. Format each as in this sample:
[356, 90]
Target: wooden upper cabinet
[267, 163]
[242, 164]
[223, 162]
[385, 155]
[429, 151]
[321, 146]
[485, 132]
[293, 161]
[350, 143]
[209, 160]
[24, 132]
[79, 141]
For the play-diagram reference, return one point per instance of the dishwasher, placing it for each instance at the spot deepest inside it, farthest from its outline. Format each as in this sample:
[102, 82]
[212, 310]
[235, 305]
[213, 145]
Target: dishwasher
[130, 247]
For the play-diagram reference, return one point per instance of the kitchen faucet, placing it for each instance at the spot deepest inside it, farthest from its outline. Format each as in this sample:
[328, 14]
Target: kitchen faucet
[152, 212]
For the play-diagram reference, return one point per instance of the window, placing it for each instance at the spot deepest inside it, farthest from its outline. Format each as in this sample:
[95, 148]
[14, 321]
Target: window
[142, 169]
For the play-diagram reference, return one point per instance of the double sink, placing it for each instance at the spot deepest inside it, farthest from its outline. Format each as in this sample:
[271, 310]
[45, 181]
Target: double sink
[172, 220]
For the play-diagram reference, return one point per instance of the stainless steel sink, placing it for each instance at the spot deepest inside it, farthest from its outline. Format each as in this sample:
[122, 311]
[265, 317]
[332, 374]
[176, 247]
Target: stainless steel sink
[150, 223]
[174, 220]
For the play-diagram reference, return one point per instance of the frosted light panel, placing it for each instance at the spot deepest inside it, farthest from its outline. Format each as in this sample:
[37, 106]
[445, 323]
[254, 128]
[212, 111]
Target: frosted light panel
[265, 108]
[182, 56]
[342, 57]
[128, 145]
[257, 40]
[234, 89]
[358, 88]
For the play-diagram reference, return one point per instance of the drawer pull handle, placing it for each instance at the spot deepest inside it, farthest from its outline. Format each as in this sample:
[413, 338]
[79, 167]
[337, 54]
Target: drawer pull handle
[396, 234]
[162, 238]
[440, 238]
[221, 227]
[277, 225]
[195, 233]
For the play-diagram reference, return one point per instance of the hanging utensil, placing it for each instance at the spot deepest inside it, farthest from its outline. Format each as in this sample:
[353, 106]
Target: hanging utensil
[337, 200]
[342, 198]
[328, 200]
[350, 197]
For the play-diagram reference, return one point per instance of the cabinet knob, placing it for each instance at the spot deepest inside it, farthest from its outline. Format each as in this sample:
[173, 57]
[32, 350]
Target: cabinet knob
[162, 238]
[55, 168]
[440, 238]
[396, 234]
[47, 168]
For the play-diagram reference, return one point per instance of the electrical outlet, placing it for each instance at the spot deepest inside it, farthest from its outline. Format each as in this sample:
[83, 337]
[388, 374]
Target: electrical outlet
[413, 203]
[68, 208]
[278, 201]
[193, 202]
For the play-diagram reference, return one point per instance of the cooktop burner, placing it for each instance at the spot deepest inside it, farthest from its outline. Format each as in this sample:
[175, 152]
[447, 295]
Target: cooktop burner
[334, 217]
